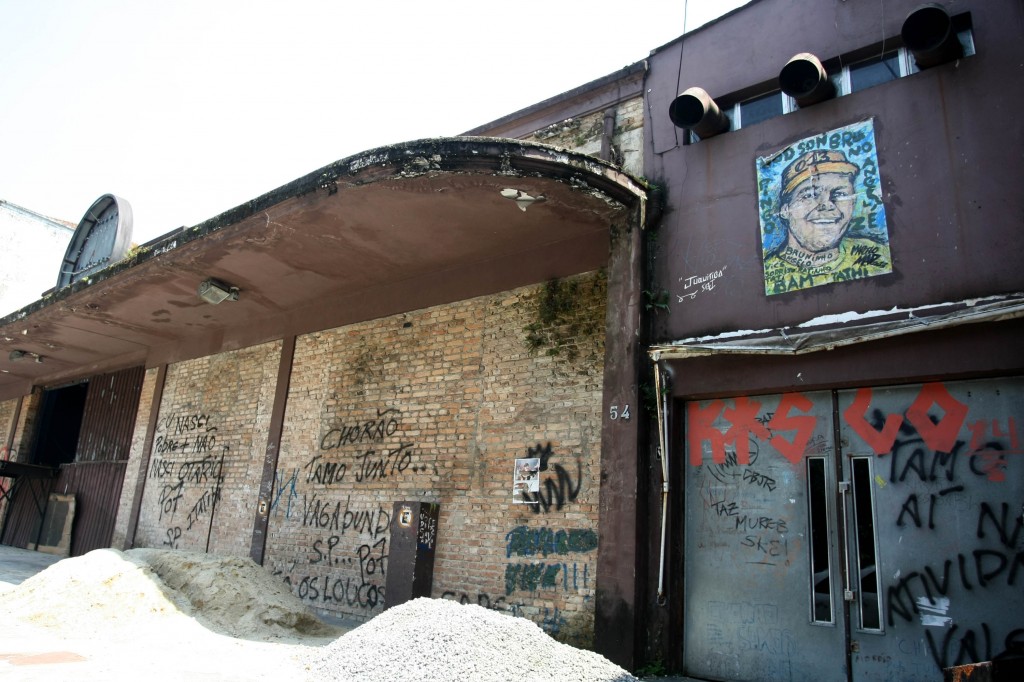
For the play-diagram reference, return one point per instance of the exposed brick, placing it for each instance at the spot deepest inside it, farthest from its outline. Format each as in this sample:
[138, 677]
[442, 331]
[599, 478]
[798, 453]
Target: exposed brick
[379, 412]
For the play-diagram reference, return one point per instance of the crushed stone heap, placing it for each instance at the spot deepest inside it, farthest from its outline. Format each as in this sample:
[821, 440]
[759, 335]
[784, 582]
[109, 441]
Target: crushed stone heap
[438, 639]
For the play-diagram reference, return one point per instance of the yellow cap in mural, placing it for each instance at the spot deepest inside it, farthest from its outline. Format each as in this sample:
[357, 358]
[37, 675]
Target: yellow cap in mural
[815, 163]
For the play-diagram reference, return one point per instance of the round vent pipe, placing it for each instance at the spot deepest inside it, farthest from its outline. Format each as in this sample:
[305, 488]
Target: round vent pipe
[694, 110]
[928, 33]
[804, 79]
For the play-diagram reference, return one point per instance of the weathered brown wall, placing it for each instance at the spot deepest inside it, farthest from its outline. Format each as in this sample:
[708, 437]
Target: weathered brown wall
[108, 418]
[96, 486]
[948, 149]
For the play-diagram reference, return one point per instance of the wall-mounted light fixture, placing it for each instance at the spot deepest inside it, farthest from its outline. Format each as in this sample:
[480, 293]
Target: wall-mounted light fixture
[522, 199]
[804, 79]
[928, 33]
[213, 291]
[694, 110]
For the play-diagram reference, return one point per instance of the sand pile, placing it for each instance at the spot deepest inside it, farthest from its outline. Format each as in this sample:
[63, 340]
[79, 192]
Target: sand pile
[145, 588]
[101, 589]
[438, 639]
[232, 595]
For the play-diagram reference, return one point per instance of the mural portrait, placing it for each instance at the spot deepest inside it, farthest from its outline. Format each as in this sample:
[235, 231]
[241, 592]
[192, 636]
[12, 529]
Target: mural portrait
[821, 212]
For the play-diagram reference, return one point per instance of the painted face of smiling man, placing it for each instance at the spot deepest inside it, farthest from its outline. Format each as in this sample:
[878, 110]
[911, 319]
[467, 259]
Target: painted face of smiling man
[817, 203]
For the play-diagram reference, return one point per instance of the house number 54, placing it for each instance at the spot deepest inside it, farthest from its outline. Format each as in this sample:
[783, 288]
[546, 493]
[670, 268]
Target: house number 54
[614, 412]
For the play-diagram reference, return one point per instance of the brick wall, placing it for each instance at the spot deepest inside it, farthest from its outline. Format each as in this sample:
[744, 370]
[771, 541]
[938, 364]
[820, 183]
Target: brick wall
[429, 406]
[207, 458]
[435, 406]
[7, 410]
[583, 134]
[23, 433]
[24, 430]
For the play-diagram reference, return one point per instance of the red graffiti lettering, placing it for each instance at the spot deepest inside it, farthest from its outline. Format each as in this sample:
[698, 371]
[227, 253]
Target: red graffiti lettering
[879, 441]
[941, 436]
[979, 431]
[701, 422]
[713, 427]
[977, 434]
[743, 417]
[993, 464]
[803, 425]
[1011, 433]
[742, 420]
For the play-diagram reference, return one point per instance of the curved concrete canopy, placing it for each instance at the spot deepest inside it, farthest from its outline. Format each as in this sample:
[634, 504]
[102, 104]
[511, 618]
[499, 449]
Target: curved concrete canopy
[390, 230]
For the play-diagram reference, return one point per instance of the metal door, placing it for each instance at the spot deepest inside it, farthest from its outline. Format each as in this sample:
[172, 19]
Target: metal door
[936, 478]
[761, 599]
[887, 558]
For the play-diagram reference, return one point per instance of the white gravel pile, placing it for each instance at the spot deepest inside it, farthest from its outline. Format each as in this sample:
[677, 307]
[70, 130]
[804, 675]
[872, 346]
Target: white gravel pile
[439, 639]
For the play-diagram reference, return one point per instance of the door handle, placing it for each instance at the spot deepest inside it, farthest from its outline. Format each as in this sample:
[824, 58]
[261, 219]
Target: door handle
[849, 594]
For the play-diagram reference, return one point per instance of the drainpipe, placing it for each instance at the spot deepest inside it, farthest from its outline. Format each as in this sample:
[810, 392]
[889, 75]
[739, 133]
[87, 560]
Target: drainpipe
[606, 136]
[663, 447]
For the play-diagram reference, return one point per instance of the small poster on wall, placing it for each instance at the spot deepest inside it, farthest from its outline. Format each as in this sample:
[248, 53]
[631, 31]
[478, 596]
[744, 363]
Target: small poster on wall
[526, 481]
[821, 212]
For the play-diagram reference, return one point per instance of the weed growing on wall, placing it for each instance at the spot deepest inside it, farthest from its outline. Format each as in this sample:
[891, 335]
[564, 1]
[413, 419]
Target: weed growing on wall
[568, 317]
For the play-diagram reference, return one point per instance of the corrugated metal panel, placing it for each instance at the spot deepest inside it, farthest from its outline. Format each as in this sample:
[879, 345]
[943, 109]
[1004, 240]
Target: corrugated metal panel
[109, 416]
[97, 490]
[25, 514]
[95, 478]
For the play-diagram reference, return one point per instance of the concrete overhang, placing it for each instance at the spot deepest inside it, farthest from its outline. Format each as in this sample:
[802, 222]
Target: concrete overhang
[387, 231]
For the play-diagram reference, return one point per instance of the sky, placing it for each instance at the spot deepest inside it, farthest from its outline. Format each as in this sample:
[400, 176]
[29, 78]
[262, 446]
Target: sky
[188, 108]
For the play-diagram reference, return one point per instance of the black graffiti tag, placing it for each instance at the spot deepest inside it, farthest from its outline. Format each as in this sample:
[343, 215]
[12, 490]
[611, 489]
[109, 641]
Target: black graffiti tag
[555, 491]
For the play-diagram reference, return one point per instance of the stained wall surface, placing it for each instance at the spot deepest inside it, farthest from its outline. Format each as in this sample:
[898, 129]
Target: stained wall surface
[803, 541]
[8, 408]
[434, 405]
[120, 537]
[584, 133]
[935, 206]
[207, 456]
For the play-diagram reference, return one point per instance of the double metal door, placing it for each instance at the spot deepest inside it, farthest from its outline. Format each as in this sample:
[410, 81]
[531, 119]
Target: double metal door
[868, 534]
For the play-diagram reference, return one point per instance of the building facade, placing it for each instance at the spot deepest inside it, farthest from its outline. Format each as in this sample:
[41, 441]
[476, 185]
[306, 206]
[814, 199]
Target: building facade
[840, 348]
[420, 324]
[757, 416]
